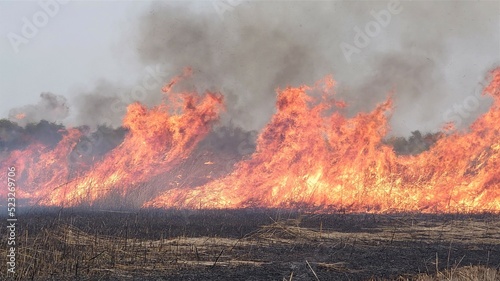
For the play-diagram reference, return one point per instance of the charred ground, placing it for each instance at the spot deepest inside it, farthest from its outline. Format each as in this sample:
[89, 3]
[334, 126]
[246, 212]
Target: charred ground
[251, 244]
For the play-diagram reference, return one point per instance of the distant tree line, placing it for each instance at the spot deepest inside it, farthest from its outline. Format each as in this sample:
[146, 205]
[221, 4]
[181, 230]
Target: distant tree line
[14, 137]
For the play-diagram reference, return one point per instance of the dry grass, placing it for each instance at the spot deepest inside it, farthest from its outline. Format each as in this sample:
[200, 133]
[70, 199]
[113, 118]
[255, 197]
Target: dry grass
[285, 230]
[466, 273]
[67, 252]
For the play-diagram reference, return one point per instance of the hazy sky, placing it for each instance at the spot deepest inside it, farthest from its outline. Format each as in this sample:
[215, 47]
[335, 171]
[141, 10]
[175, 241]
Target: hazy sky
[82, 43]
[433, 54]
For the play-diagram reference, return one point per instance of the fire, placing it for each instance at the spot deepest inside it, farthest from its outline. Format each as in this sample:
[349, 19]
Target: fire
[20, 116]
[157, 140]
[39, 165]
[309, 155]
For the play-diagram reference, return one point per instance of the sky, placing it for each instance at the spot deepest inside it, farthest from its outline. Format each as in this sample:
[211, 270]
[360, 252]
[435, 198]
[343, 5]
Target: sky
[433, 55]
[80, 44]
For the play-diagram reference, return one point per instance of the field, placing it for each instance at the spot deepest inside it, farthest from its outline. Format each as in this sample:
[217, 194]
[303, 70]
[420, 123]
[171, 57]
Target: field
[75, 244]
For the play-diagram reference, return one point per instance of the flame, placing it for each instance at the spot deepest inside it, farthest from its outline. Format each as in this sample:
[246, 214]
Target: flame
[157, 140]
[39, 165]
[20, 116]
[308, 156]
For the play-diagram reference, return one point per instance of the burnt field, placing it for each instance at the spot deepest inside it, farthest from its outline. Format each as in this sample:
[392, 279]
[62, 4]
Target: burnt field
[75, 244]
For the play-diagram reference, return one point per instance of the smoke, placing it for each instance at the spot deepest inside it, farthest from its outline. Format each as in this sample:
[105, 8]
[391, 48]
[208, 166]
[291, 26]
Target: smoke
[246, 55]
[96, 107]
[429, 57]
[421, 67]
[424, 54]
[51, 107]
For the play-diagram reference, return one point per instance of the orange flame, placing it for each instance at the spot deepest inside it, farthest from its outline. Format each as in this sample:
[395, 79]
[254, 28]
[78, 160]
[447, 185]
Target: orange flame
[20, 116]
[306, 156]
[157, 140]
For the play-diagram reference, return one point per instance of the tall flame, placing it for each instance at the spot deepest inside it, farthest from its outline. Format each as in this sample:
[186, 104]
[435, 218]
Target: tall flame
[309, 156]
[39, 165]
[158, 139]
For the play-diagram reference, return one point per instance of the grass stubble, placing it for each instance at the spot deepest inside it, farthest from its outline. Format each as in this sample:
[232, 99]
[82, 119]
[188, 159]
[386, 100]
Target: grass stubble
[281, 247]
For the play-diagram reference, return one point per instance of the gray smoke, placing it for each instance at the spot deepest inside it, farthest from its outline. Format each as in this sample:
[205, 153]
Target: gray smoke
[430, 55]
[247, 49]
[50, 107]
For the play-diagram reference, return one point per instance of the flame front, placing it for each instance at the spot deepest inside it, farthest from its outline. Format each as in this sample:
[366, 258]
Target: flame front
[309, 155]
[158, 139]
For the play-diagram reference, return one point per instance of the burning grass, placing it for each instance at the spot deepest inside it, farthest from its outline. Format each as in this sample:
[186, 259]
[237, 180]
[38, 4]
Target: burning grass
[309, 154]
[255, 245]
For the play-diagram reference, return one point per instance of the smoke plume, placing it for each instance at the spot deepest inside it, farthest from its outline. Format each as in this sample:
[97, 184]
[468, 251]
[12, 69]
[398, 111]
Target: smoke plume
[428, 57]
[51, 108]
[251, 48]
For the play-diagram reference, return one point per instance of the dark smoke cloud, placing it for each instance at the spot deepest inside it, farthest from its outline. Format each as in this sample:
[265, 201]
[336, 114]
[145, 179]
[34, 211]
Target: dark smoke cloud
[256, 47]
[96, 107]
[430, 56]
[246, 55]
[51, 107]
[106, 104]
